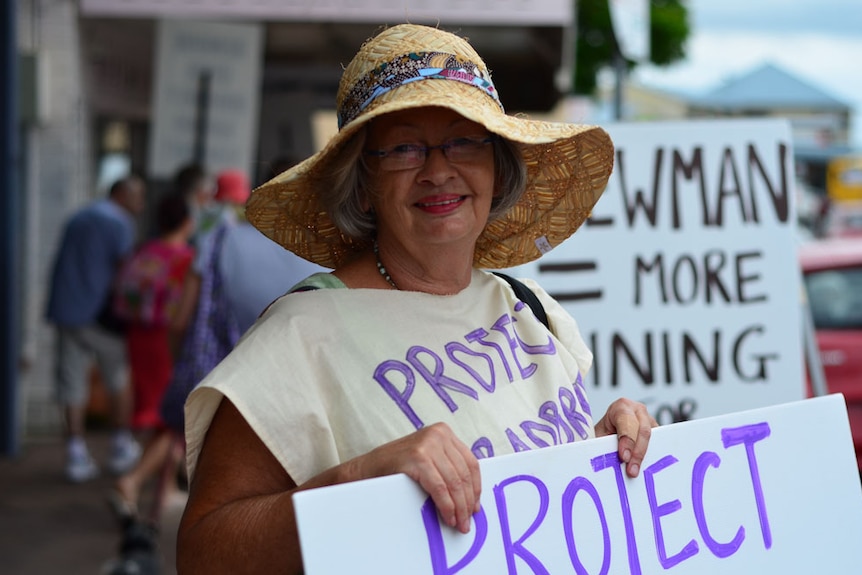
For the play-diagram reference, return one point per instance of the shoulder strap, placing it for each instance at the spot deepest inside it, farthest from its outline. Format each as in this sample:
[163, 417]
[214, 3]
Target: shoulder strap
[526, 295]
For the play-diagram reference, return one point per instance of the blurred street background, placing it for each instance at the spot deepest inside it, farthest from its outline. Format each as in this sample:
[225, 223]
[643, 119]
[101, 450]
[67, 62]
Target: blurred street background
[48, 525]
[94, 90]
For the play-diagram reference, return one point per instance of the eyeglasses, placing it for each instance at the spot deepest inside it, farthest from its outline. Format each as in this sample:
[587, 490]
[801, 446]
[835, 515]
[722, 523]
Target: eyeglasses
[408, 156]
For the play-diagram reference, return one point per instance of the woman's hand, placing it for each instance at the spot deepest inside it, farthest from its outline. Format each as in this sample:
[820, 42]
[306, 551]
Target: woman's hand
[439, 462]
[633, 424]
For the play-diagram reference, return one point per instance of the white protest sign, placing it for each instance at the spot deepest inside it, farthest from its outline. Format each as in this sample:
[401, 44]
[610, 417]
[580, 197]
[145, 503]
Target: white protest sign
[685, 281]
[746, 493]
[226, 59]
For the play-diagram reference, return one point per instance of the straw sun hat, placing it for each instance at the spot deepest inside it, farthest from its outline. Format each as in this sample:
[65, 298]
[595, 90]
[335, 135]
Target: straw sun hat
[409, 66]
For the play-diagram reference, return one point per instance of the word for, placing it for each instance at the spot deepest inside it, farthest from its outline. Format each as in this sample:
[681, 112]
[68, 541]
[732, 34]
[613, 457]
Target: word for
[667, 413]
[516, 547]
[690, 279]
[732, 184]
[674, 357]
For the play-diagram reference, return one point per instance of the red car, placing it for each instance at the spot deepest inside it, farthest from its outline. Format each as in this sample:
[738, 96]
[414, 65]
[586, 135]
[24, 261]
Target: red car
[832, 270]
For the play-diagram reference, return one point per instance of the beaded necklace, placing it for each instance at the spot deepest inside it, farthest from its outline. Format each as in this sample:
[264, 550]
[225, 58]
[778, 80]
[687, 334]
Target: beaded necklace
[380, 267]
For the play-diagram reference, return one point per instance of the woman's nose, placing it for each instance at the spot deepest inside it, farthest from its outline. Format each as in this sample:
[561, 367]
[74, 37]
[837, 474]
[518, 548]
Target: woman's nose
[437, 167]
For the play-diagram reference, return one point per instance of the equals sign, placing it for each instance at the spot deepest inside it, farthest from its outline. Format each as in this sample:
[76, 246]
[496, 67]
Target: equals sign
[567, 267]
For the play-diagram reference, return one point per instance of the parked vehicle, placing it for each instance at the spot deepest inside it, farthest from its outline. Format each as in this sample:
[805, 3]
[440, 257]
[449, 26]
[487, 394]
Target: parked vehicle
[832, 270]
[844, 220]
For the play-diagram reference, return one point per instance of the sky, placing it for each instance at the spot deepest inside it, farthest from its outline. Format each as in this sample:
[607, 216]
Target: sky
[818, 41]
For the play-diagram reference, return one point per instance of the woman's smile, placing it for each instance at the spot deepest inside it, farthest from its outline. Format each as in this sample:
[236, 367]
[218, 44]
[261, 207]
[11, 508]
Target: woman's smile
[441, 203]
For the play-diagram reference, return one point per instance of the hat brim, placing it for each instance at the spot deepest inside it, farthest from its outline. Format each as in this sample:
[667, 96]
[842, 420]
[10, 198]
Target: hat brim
[568, 166]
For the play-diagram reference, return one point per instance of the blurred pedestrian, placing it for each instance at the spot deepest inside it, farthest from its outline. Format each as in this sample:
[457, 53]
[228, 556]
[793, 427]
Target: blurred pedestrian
[246, 252]
[194, 183]
[147, 297]
[95, 241]
[149, 289]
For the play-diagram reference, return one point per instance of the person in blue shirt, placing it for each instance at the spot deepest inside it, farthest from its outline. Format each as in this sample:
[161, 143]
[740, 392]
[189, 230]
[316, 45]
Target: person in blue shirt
[94, 242]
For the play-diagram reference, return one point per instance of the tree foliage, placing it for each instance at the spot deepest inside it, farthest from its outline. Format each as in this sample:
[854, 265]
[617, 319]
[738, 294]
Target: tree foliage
[596, 45]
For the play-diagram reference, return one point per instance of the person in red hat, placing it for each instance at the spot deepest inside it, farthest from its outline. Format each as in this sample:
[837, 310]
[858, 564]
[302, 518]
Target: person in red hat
[232, 187]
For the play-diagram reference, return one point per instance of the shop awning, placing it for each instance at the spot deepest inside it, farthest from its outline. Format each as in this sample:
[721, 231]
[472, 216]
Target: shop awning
[479, 12]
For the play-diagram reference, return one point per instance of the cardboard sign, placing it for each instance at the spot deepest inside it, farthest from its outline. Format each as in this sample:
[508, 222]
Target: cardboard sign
[685, 281]
[751, 492]
[207, 75]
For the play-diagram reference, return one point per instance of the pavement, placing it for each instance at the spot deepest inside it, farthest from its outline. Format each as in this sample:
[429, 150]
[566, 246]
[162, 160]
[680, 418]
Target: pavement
[49, 525]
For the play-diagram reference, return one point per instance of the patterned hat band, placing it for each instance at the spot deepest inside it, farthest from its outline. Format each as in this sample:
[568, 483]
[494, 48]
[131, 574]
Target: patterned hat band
[409, 68]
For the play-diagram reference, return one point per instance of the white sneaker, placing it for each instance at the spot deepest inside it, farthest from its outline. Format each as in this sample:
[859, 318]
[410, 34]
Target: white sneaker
[80, 467]
[125, 453]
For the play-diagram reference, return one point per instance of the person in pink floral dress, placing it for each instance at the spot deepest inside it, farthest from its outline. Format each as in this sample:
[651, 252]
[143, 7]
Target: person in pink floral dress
[149, 288]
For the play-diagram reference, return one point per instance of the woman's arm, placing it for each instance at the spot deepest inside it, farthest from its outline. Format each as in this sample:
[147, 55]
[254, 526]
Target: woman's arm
[240, 517]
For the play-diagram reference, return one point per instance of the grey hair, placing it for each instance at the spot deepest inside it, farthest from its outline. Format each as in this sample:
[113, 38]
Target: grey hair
[510, 177]
[345, 196]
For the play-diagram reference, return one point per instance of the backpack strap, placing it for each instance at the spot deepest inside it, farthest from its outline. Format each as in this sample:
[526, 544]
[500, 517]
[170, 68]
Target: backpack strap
[526, 295]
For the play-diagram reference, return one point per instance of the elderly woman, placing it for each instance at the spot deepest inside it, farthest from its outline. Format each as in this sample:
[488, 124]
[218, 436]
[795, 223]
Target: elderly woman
[407, 358]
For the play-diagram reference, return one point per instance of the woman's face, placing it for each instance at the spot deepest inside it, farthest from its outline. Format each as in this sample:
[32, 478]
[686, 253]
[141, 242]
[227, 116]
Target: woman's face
[441, 200]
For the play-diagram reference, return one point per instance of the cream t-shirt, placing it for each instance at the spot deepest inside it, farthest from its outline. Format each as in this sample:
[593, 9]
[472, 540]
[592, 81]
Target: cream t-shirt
[330, 374]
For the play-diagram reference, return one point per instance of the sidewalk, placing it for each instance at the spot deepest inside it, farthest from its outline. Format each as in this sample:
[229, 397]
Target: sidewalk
[48, 525]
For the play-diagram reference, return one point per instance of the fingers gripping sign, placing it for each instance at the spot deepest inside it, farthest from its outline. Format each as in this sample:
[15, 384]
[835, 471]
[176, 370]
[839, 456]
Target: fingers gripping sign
[440, 463]
[632, 424]
[449, 472]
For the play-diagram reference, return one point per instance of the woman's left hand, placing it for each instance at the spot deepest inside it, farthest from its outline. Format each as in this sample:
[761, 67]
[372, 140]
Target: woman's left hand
[633, 424]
